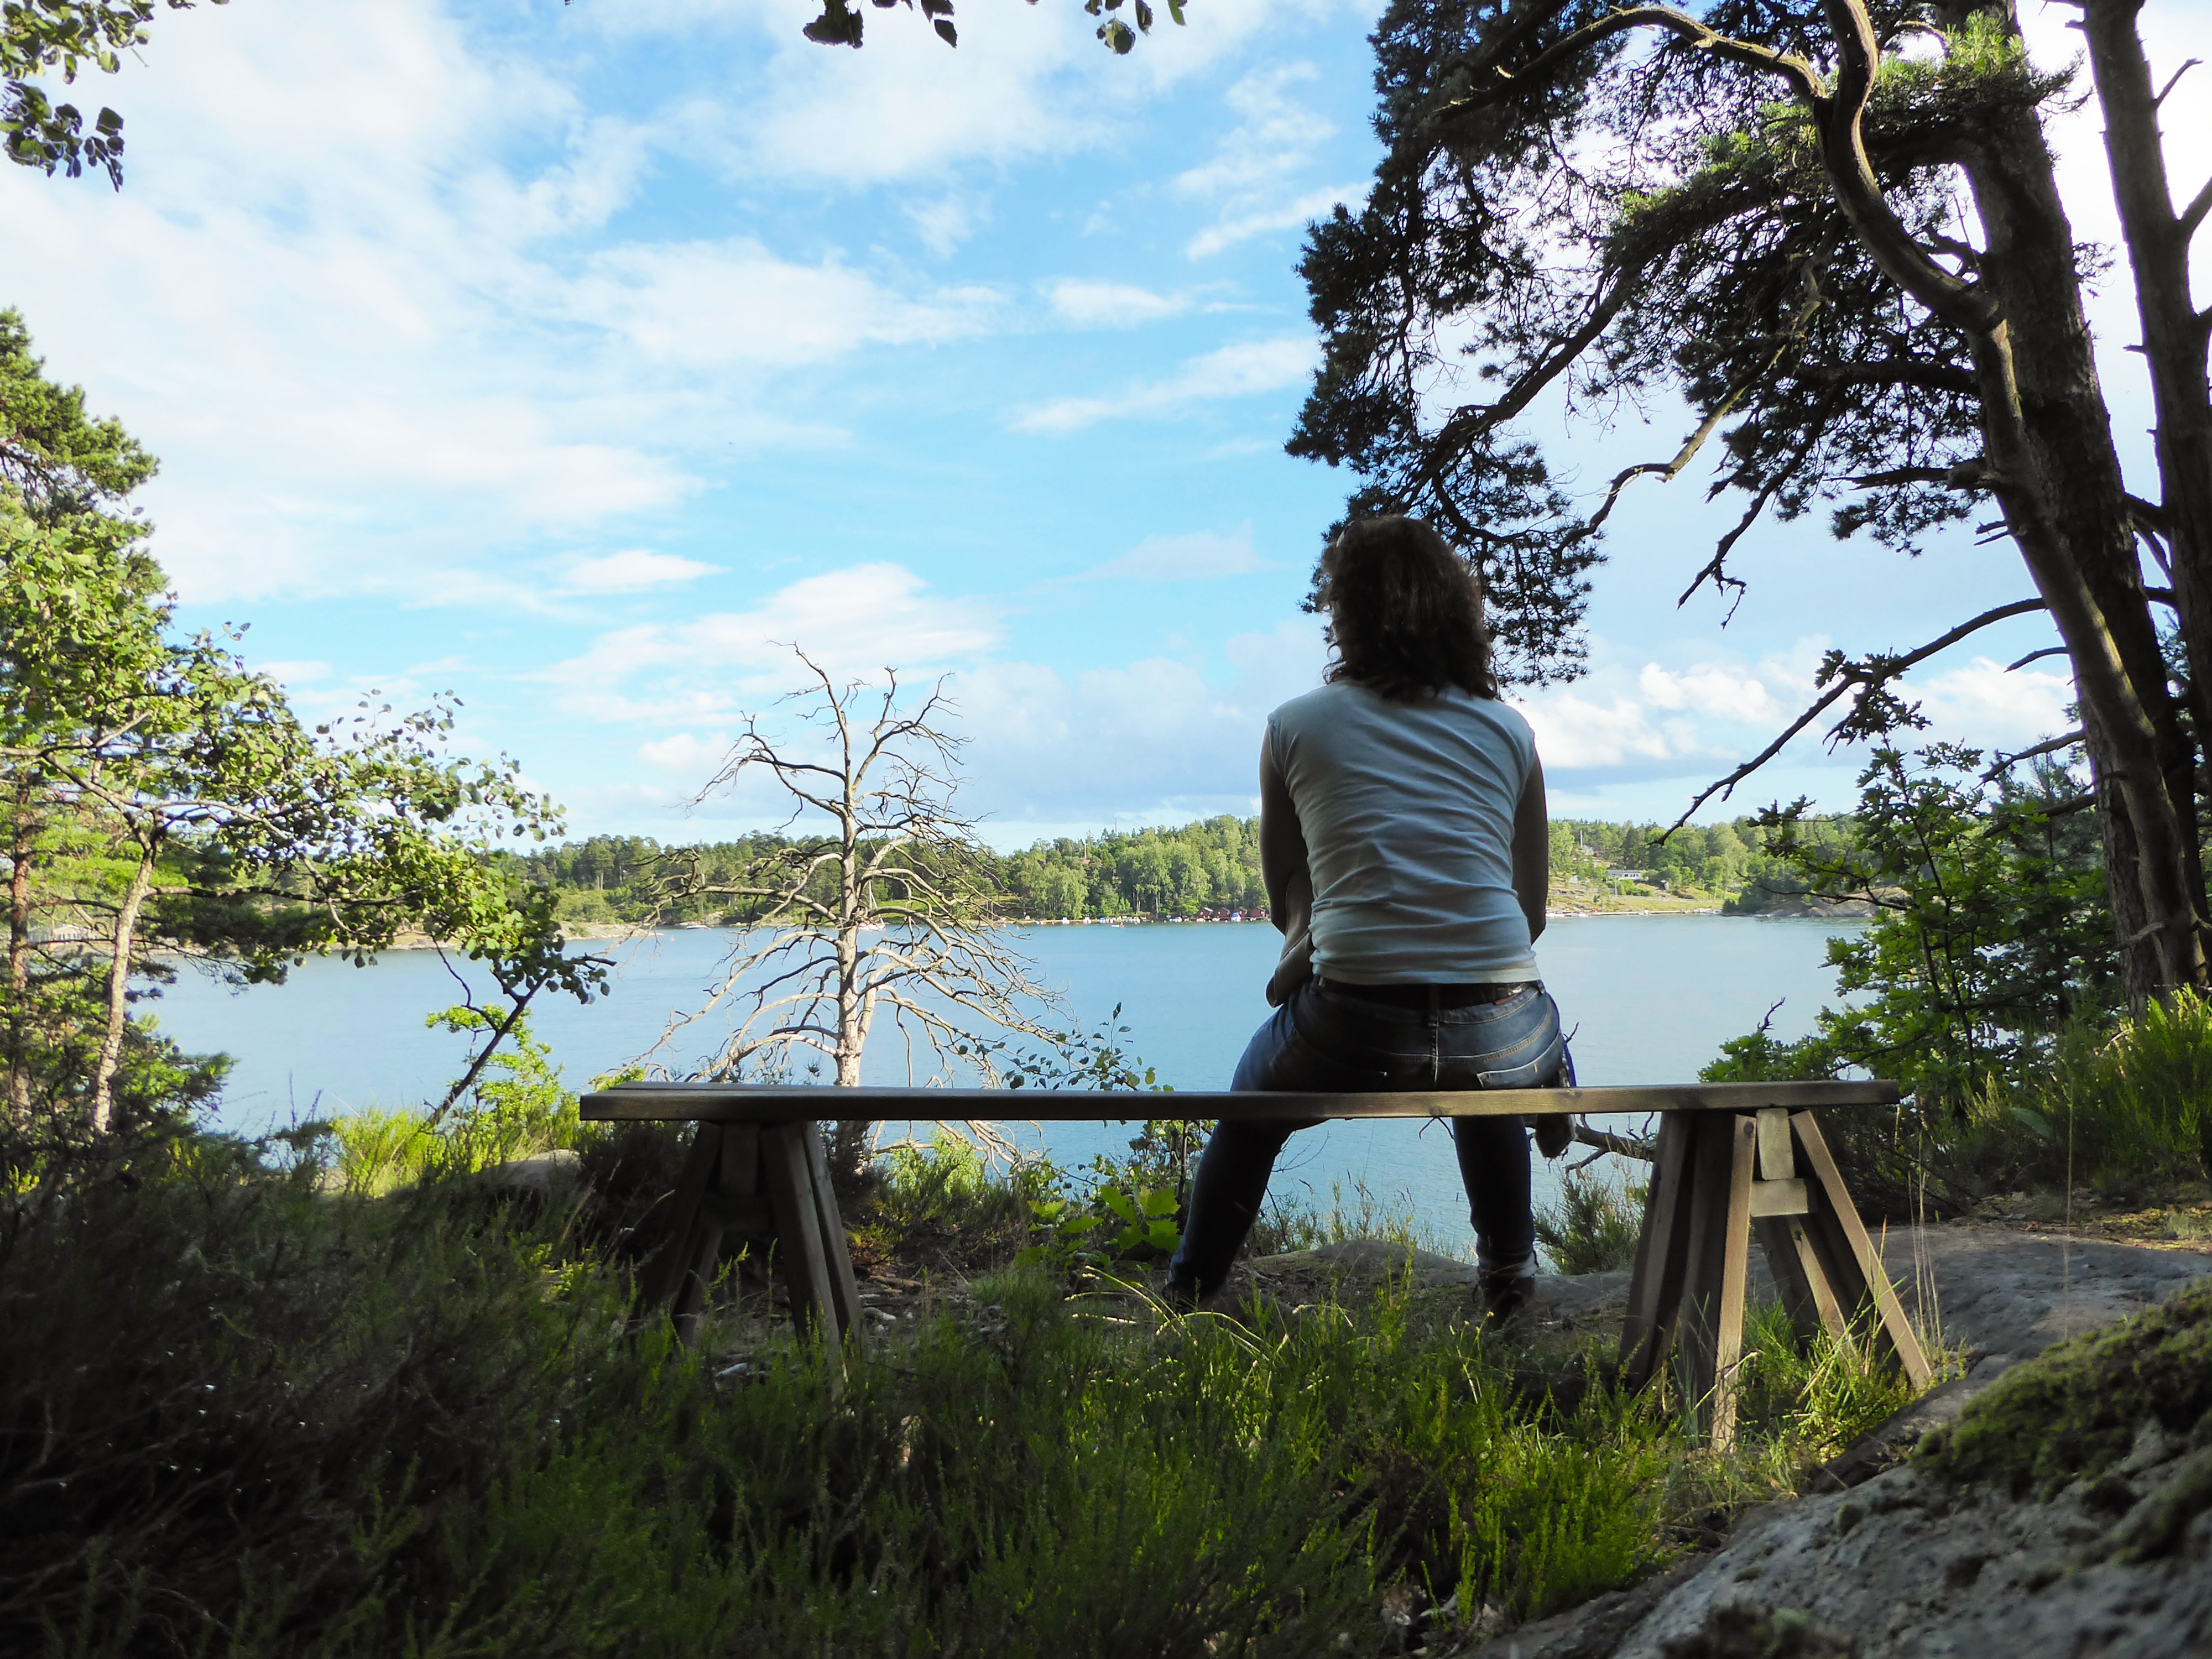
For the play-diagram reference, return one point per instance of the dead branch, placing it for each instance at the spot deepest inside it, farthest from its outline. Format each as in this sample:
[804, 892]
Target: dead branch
[1866, 675]
[2048, 746]
[1621, 1146]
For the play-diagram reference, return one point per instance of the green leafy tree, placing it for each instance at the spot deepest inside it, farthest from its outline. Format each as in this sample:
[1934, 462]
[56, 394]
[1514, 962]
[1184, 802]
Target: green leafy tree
[1991, 932]
[159, 798]
[1834, 229]
[842, 22]
[44, 37]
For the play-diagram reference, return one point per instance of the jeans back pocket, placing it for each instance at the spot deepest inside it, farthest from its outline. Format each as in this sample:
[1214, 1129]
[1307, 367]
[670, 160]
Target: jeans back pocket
[1539, 1072]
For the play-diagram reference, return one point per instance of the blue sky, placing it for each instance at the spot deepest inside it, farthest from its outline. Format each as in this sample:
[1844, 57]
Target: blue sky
[578, 358]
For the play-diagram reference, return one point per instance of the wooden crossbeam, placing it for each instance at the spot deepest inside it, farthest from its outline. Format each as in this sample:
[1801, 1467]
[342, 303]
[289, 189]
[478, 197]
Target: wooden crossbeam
[748, 1102]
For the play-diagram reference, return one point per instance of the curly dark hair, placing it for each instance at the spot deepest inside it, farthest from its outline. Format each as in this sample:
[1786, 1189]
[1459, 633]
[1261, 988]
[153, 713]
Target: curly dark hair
[1404, 612]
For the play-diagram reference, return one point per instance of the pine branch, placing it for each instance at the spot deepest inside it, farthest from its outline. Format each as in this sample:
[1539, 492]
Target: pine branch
[1865, 675]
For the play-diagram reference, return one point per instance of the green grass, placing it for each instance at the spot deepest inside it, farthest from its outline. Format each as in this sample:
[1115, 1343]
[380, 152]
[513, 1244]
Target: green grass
[1357, 1214]
[1810, 1403]
[262, 1412]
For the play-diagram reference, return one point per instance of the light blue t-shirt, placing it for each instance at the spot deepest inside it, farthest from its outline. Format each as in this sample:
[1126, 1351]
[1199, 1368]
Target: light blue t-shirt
[1407, 809]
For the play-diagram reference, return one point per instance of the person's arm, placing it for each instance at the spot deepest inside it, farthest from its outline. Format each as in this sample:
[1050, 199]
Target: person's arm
[1282, 849]
[1532, 849]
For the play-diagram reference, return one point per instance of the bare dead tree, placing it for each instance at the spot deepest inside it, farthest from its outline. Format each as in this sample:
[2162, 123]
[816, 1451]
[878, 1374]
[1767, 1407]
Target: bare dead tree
[884, 911]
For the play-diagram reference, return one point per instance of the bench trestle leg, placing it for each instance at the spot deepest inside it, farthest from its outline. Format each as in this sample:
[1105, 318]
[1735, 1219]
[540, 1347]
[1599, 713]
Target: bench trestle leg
[1717, 1181]
[772, 1180]
[1847, 1256]
[1655, 1288]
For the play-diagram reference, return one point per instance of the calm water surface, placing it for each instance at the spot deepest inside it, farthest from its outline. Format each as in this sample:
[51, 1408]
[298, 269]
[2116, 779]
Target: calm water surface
[1649, 1000]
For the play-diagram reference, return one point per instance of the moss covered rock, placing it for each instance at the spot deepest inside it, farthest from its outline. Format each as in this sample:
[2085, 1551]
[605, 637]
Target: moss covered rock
[2074, 1412]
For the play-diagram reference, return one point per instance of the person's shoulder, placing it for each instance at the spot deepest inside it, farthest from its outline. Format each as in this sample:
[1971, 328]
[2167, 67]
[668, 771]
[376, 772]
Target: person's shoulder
[1308, 706]
[1498, 713]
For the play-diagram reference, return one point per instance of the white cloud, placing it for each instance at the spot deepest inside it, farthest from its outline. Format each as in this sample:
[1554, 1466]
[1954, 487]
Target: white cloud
[1155, 737]
[294, 673]
[945, 224]
[1982, 703]
[1575, 733]
[1234, 371]
[1026, 84]
[682, 751]
[1199, 556]
[1254, 174]
[360, 296]
[1672, 722]
[735, 303]
[633, 571]
[1709, 688]
[1293, 215]
[853, 622]
[1087, 304]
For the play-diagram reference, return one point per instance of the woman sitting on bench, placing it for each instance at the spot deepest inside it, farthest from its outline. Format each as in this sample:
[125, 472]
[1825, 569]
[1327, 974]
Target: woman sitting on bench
[1406, 849]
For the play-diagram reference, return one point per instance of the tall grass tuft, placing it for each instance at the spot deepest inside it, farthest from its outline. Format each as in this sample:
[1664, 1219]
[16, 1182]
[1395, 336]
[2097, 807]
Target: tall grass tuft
[2143, 1101]
[1359, 1213]
[2119, 1110]
[1814, 1401]
[1595, 1226]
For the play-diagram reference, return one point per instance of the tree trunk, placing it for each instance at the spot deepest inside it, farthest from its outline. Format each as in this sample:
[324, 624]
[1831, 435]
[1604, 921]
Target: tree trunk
[2174, 335]
[850, 1138]
[22, 842]
[2055, 472]
[118, 994]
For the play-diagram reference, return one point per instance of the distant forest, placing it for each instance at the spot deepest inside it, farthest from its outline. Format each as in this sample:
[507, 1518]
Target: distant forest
[1210, 868]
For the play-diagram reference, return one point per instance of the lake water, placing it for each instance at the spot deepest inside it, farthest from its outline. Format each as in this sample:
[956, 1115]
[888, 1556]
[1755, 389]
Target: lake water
[1649, 1000]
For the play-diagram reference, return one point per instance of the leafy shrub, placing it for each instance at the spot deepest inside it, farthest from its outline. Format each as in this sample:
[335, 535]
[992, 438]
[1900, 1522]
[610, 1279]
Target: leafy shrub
[1594, 1227]
[941, 1205]
[241, 1410]
[240, 1413]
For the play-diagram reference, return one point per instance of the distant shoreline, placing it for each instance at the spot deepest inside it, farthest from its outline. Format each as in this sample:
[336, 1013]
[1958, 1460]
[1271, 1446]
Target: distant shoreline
[583, 932]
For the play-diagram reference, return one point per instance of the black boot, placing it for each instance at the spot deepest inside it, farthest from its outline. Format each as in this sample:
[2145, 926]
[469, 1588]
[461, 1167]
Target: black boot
[1502, 1295]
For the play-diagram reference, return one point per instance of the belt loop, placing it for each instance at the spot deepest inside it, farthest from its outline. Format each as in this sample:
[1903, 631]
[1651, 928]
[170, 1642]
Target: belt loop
[1435, 1036]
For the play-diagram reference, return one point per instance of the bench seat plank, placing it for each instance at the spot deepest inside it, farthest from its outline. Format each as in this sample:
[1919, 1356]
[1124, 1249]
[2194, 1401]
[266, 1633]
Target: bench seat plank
[748, 1102]
[1734, 1161]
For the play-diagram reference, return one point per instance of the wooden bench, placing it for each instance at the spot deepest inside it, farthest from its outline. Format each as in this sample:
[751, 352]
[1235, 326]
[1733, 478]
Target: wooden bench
[1733, 1161]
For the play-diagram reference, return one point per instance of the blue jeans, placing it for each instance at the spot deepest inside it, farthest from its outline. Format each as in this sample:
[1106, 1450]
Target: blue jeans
[1327, 1037]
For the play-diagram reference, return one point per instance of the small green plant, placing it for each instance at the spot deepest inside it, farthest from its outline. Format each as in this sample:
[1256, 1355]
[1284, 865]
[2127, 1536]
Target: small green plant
[1075, 1242]
[1595, 1226]
[515, 1105]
